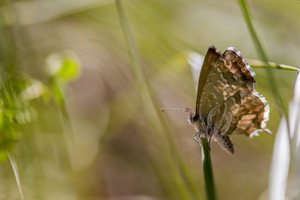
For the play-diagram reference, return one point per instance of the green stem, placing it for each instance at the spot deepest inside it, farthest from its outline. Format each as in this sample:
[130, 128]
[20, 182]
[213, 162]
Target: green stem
[259, 64]
[208, 171]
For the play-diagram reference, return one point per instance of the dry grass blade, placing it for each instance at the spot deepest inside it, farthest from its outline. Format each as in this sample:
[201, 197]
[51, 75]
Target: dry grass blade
[14, 167]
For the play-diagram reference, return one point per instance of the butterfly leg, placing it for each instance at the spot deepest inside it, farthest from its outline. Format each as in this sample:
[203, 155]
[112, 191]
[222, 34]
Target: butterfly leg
[209, 134]
[197, 137]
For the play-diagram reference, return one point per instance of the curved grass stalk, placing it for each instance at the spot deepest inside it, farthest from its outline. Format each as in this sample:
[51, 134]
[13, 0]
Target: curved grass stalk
[280, 164]
[279, 172]
[263, 56]
[282, 160]
[14, 167]
[184, 188]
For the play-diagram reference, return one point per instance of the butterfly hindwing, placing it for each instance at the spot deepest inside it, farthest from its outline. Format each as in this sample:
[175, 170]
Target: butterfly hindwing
[252, 116]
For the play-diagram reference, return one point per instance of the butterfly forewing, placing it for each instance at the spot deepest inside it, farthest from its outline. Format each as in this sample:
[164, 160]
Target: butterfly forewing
[211, 58]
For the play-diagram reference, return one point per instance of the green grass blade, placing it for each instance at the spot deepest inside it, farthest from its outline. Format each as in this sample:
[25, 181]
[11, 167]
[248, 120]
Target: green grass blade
[259, 64]
[281, 174]
[208, 170]
[263, 56]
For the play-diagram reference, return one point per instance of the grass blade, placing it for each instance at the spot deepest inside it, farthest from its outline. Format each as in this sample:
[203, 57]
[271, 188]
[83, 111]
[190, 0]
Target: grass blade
[279, 174]
[263, 56]
[259, 64]
[280, 164]
[14, 167]
[184, 187]
[282, 160]
[295, 115]
[208, 170]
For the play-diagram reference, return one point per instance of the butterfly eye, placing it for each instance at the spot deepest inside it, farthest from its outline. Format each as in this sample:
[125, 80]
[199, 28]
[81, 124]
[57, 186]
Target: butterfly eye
[194, 118]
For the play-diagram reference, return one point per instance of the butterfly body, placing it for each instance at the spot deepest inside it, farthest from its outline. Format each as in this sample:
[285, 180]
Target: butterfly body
[203, 129]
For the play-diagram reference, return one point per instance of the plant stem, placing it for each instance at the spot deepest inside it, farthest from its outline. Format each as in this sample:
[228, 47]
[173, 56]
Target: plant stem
[259, 64]
[208, 171]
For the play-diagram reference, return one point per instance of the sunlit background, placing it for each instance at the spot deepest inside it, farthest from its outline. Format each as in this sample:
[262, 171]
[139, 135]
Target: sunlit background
[80, 118]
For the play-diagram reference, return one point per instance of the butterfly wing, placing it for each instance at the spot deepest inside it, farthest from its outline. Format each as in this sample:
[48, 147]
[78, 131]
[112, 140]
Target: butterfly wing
[230, 74]
[208, 65]
[229, 101]
[250, 116]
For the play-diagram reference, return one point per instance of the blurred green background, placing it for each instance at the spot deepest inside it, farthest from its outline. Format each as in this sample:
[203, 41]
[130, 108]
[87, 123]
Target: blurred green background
[89, 131]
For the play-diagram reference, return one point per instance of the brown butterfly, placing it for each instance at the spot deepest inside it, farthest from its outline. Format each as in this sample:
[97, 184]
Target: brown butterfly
[227, 102]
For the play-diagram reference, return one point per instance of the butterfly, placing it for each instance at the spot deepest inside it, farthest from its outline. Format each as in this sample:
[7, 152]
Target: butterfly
[227, 101]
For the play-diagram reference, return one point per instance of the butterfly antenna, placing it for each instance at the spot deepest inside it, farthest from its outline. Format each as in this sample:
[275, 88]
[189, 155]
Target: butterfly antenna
[177, 109]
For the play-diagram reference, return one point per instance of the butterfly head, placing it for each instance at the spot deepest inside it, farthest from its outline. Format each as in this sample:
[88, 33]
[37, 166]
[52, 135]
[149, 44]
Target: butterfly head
[198, 122]
[192, 118]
